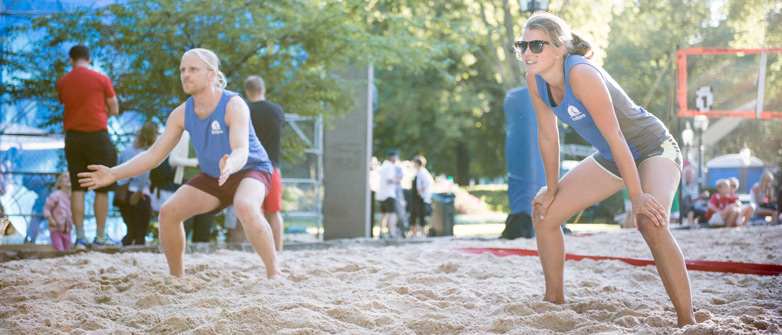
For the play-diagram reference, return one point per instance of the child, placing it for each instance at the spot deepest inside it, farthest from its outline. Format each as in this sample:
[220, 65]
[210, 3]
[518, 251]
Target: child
[745, 211]
[720, 210]
[57, 212]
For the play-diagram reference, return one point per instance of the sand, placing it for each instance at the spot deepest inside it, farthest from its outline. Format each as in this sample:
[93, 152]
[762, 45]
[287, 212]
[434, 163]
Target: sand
[421, 288]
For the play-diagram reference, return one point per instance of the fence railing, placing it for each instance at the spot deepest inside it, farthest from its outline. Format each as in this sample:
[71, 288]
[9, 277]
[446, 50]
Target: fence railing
[31, 162]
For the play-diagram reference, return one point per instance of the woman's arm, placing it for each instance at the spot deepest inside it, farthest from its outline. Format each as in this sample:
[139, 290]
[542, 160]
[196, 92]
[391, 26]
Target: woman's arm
[548, 144]
[589, 87]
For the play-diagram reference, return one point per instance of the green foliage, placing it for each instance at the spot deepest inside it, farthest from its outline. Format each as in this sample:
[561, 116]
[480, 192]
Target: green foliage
[494, 196]
[295, 45]
[442, 67]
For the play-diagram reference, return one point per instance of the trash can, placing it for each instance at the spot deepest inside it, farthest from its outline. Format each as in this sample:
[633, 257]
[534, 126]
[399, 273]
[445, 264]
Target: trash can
[443, 211]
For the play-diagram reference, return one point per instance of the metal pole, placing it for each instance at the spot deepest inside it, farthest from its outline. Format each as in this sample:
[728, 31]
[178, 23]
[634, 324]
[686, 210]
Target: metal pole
[700, 158]
[762, 69]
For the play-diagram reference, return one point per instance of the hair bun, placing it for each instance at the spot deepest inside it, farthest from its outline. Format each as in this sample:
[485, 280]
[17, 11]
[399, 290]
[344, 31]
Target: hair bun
[581, 46]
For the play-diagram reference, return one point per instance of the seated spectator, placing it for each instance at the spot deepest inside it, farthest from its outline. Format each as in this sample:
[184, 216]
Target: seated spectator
[692, 206]
[745, 211]
[762, 197]
[720, 212]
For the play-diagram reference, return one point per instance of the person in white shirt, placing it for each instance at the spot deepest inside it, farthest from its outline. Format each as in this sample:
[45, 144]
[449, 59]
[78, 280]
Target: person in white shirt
[386, 194]
[421, 197]
[136, 208]
[179, 158]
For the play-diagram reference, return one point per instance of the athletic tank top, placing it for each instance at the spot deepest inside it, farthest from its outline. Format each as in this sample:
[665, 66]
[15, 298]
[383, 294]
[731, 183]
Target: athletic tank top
[211, 142]
[641, 129]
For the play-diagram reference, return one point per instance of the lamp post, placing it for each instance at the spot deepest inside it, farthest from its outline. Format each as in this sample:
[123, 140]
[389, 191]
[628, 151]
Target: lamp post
[701, 123]
[687, 137]
[746, 155]
[533, 5]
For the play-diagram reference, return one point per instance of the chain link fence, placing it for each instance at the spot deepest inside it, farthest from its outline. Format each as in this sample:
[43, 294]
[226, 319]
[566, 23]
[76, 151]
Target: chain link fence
[31, 160]
[302, 175]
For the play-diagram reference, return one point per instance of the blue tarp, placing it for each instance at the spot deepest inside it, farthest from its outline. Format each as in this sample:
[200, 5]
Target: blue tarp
[525, 165]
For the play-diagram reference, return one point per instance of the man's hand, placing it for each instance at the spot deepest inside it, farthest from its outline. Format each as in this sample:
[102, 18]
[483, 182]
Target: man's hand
[101, 177]
[225, 171]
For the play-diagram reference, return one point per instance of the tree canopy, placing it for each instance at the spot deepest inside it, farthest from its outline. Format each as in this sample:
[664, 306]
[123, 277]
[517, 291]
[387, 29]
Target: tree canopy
[442, 67]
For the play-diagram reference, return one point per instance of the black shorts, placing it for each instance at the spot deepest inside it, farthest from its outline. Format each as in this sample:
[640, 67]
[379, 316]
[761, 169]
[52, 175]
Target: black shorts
[668, 149]
[388, 205]
[88, 148]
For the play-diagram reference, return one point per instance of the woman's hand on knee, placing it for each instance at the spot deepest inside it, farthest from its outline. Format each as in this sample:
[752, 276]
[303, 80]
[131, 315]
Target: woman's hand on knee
[544, 199]
[646, 205]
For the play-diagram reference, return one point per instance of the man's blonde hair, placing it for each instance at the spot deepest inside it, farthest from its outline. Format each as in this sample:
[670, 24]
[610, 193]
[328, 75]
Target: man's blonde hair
[212, 64]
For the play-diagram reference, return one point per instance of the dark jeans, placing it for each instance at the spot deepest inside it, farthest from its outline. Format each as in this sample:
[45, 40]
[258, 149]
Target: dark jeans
[136, 218]
[201, 226]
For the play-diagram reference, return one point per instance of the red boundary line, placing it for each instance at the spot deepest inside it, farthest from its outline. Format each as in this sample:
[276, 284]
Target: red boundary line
[709, 266]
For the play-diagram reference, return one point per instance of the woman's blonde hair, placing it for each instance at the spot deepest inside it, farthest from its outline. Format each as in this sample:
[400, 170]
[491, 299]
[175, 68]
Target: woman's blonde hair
[60, 177]
[559, 32]
[146, 135]
[767, 190]
[212, 64]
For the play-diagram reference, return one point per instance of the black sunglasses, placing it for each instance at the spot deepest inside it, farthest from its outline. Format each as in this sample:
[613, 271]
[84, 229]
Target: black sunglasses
[535, 46]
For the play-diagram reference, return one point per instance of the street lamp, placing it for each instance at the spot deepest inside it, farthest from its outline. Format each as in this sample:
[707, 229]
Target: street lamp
[687, 137]
[533, 5]
[701, 123]
[745, 154]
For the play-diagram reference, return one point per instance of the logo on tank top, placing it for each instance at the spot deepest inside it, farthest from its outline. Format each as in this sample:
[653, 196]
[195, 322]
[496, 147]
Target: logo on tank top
[575, 114]
[216, 128]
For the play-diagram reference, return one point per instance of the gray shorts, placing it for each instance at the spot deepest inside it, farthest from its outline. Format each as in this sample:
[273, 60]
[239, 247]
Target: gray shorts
[668, 149]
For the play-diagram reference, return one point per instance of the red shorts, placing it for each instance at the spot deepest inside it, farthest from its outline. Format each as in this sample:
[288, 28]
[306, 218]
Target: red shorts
[225, 193]
[273, 201]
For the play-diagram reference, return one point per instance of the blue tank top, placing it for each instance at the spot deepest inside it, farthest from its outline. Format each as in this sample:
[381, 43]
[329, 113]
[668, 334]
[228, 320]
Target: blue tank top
[211, 142]
[641, 129]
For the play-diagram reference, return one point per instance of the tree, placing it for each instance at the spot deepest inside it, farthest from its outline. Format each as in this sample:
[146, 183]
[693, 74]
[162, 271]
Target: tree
[454, 115]
[293, 44]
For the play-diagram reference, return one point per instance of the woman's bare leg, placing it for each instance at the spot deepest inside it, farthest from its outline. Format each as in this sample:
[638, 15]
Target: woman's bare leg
[660, 178]
[575, 192]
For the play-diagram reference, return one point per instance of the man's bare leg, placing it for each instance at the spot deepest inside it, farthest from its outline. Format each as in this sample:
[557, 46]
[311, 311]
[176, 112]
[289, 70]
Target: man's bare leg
[275, 221]
[186, 202]
[77, 210]
[247, 204]
[101, 207]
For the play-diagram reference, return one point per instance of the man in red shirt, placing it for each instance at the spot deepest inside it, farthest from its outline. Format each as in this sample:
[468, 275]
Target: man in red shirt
[89, 100]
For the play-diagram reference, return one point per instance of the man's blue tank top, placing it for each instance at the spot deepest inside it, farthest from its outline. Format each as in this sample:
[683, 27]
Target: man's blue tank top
[211, 142]
[641, 129]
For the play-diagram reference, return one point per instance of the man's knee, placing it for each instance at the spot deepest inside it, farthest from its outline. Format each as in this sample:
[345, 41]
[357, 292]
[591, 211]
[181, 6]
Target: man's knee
[167, 212]
[246, 209]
